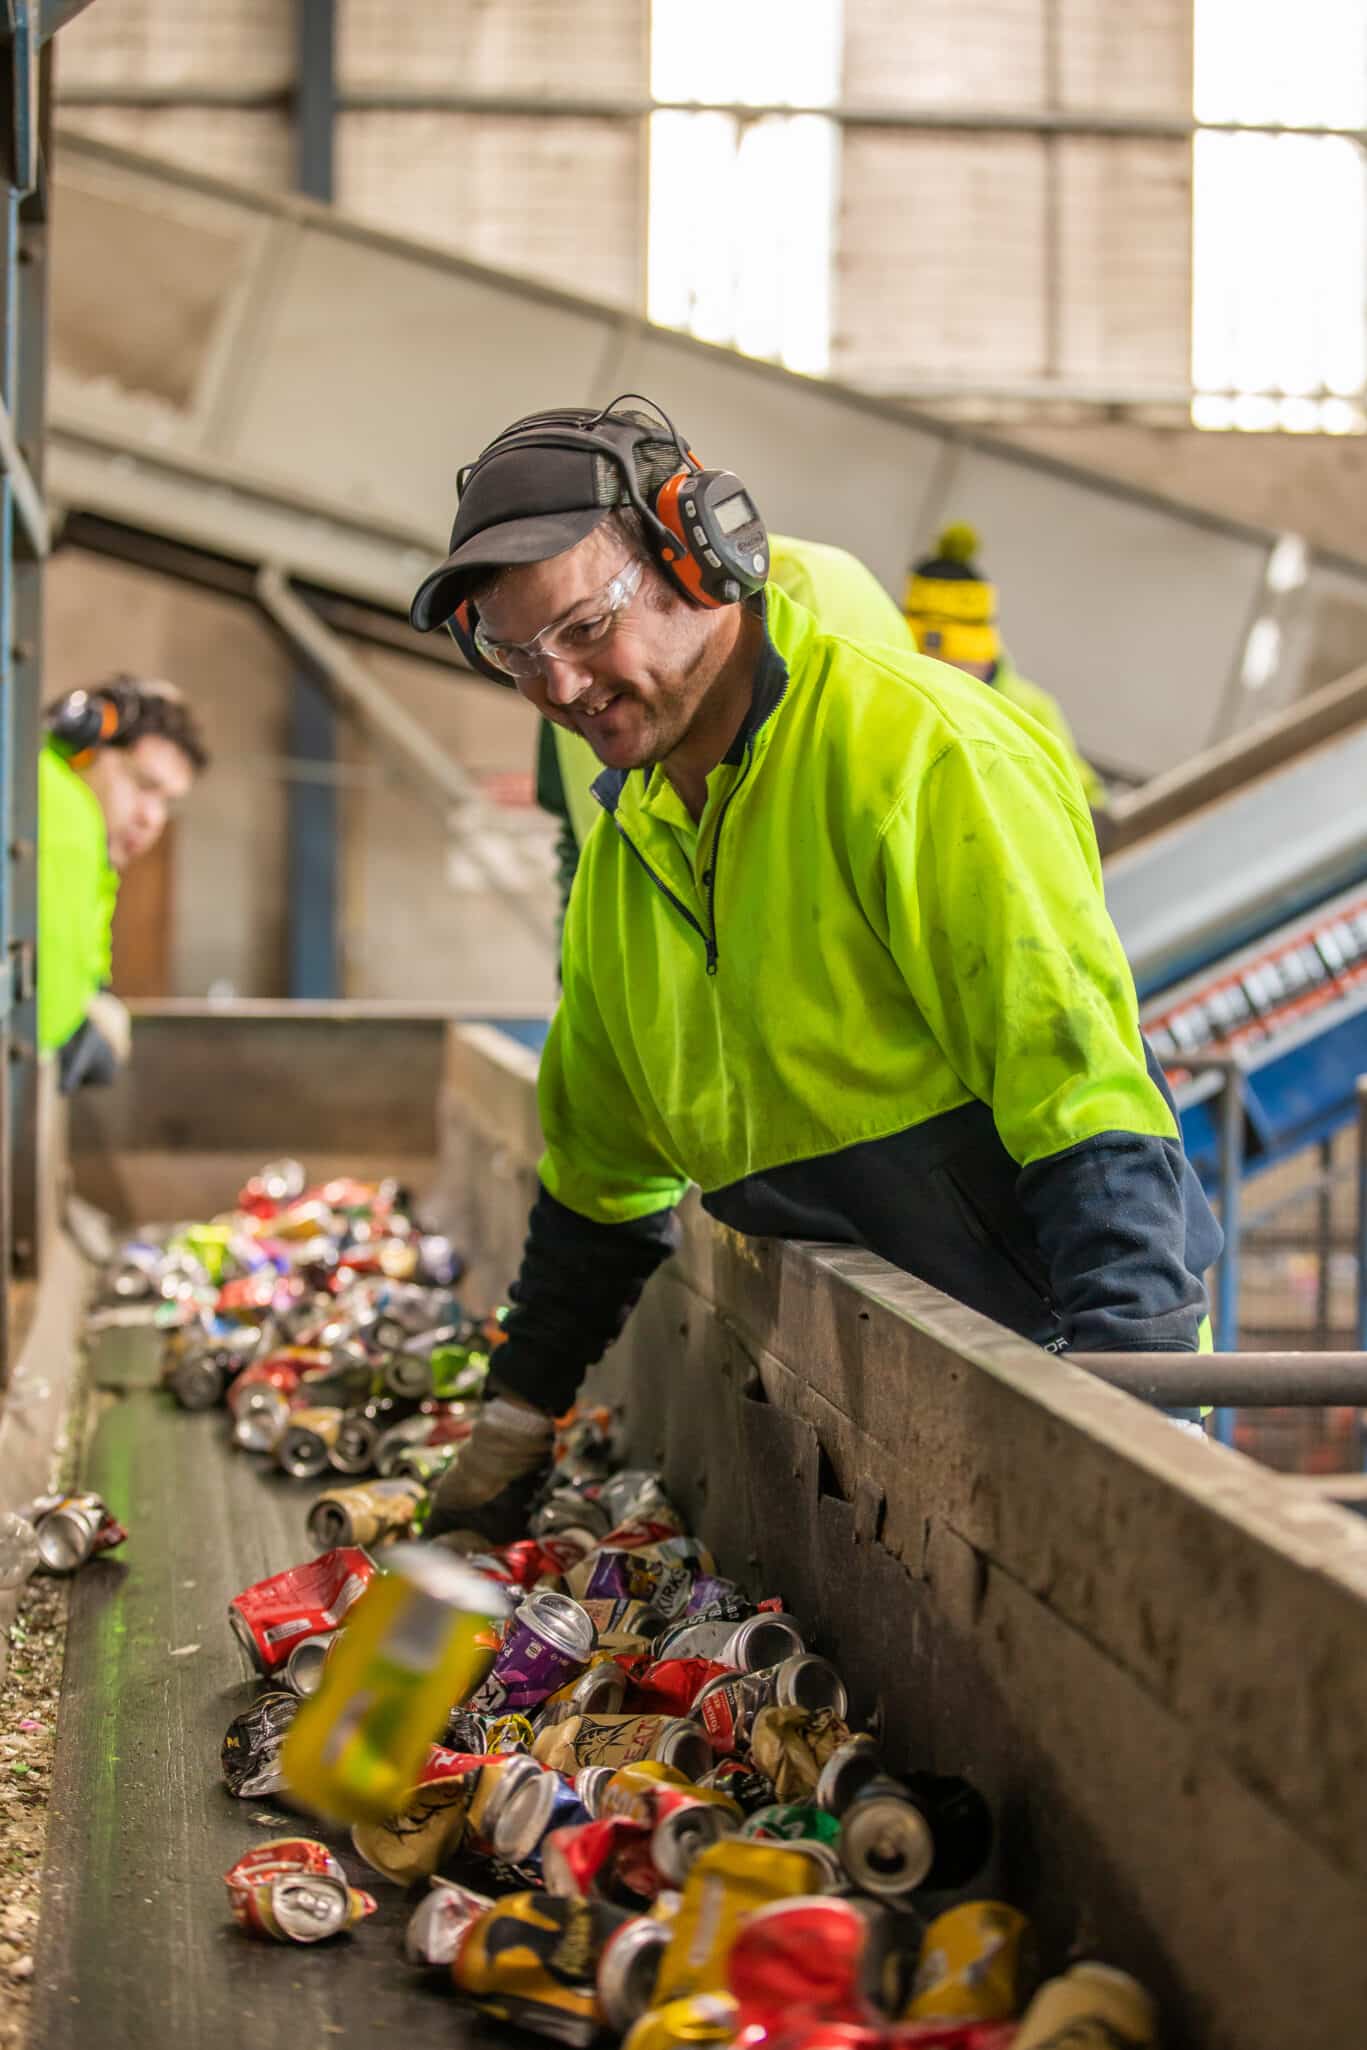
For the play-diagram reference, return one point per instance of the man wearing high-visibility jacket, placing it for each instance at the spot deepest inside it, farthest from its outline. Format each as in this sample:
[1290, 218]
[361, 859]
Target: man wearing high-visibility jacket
[117, 758]
[840, 956]
[847, 599]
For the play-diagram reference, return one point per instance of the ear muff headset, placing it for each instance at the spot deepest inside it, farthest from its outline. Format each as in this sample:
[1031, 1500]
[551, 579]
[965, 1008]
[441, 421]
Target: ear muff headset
[702, 527]
[86, 719]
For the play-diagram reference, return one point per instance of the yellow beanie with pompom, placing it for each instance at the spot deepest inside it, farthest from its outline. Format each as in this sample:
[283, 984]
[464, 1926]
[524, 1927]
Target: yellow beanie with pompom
[949, 604]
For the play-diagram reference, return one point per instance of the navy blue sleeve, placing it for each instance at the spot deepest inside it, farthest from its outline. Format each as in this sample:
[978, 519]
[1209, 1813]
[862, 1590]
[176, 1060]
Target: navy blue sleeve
[1126, 1234]
[578, 1283]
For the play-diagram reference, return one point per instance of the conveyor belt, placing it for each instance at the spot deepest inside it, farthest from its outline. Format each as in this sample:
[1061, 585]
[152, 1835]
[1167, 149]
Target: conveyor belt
[136, 1946]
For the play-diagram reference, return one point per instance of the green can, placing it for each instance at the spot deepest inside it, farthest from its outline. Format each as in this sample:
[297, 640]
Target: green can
[792, 1822]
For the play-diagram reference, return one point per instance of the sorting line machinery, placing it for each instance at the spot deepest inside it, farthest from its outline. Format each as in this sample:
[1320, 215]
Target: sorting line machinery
[1245, 921]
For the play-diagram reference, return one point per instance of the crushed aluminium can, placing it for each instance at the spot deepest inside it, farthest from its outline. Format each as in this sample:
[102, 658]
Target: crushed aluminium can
[607, 1858]
[531, 1810]
[306, 1442]
[250, 1755]
[925, 1829]
[679, 2024]
[628, 1969]
[436, 1928]
[548, 1642]
[727, 1884]
[270, 1617]
[532, 1959]
[366, 1514]
[824, 1959]
[765, 1639]
[584, 1740]
[430, 1826]
[422, 1636]
[727, 1707]
[293, 1890]
[1090, 2003]
[71, 1529]
[972, 1964]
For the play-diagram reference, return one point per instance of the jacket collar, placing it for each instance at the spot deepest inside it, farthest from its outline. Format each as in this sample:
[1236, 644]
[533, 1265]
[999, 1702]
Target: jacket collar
[786, 624]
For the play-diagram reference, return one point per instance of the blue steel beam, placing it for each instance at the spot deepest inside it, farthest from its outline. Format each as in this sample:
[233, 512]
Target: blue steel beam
[314, 940]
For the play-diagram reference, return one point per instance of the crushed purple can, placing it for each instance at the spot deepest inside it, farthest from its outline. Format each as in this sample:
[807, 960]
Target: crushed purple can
[549, 1641]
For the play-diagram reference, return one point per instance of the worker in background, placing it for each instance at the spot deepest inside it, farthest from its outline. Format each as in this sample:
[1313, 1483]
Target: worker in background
[116, 759]
[839, 954]
[951, 609]
[846, 597]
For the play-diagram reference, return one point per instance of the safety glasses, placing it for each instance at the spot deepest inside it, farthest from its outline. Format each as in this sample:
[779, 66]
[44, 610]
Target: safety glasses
[566, 640]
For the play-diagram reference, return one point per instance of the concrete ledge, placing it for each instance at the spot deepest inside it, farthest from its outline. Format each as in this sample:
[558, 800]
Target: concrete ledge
[36, 1404]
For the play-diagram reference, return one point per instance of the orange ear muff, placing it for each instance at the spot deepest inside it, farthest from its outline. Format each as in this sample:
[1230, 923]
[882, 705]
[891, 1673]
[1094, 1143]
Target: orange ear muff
[110, 720]
[686, 568]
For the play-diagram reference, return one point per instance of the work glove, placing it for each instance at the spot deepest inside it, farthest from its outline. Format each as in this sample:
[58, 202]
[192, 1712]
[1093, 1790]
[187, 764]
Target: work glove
[111, 1020]
[489, 1485]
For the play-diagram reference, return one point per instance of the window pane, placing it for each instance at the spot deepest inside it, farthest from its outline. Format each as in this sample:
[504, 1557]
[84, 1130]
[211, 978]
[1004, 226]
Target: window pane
[1279, 315]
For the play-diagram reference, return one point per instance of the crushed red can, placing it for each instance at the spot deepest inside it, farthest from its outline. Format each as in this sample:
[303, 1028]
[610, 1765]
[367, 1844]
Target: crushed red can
[272, 1616]
[293, 1890]
[671, 1686]
[822, 1959]
[281, 1371]
[437, 1926]
[605, 1859]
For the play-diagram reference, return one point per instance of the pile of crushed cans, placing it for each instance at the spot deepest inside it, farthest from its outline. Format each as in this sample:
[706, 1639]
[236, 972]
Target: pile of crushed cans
[628, 1798]
[326, 1320]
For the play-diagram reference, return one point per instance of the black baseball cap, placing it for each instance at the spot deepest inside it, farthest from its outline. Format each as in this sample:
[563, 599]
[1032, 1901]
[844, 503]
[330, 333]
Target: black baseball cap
[525, 503]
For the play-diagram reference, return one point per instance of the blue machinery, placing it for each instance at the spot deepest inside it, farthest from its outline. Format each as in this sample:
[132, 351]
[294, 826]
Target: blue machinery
[1247, 927]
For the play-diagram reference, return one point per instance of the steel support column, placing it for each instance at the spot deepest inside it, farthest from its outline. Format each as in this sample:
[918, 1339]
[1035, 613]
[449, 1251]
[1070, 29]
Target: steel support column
[315, 968]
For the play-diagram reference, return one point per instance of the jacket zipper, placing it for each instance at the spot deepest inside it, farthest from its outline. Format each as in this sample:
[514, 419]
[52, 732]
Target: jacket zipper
[706, 933]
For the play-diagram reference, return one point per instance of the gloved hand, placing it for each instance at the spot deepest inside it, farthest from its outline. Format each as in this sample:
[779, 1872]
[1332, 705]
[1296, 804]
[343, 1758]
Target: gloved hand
[489, 1484]
[111, 1020]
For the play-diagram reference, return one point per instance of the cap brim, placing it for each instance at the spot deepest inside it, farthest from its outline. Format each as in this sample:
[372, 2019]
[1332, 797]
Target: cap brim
[529, 540]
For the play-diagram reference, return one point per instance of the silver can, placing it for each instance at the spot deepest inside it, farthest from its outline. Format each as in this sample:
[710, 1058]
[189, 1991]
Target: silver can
[886, 1845]
[680, 1837]
[437, 1926]
[307, 1440]
[762, 1640]
[590, 1783]
[406, 1374]
[846, 1773]
[198, 1379]
[628, 1970]
[303, 1673]
[602, 1690]
[261, 1420]
[354, 1451]
[395, 1439]
[67, 1535]
[683, 1744]
[566, 1509]
[728, 1705]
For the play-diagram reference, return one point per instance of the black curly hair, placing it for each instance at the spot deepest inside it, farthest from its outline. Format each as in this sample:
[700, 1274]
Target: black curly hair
[149, 706]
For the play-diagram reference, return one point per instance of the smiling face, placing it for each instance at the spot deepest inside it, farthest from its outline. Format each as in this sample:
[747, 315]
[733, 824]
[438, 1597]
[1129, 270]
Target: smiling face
[137, 787]
[636, 693]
